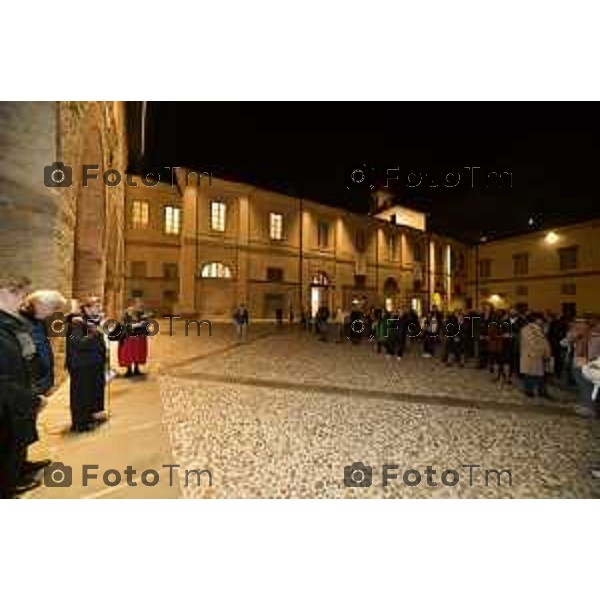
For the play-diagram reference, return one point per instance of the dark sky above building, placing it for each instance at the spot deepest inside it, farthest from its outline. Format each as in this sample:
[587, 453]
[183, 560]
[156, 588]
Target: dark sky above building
[444, 155]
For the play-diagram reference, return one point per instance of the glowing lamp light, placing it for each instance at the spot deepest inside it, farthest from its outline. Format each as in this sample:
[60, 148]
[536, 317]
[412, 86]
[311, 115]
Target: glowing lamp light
[495, 299]
[551, 238]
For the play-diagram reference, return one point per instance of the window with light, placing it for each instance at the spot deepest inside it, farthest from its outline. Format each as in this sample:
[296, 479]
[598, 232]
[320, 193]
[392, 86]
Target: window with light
[217, 216]
[172, 220]
[140, 214]
[276, 226]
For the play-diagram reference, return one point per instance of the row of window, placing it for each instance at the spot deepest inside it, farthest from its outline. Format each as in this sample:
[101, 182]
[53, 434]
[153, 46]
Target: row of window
[567, 260]
[274, 274]
[218, 215]
[140, 218]
[218, 270]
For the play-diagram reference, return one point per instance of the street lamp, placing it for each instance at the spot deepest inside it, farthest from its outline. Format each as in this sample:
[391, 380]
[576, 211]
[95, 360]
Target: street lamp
[551, 238]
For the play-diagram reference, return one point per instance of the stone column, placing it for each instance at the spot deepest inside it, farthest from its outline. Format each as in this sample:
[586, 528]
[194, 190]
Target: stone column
[186, 305]
[243, 228]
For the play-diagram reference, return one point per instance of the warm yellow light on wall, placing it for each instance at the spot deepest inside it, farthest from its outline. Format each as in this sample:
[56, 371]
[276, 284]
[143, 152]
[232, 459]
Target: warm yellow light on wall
[551, 238]
[495, 299]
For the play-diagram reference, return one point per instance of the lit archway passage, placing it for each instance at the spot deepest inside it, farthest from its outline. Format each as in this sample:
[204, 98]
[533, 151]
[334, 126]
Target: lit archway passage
[318, 292]
[215, 270]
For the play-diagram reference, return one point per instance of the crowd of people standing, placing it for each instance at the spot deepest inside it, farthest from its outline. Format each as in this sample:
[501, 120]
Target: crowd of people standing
[28, 321]
[531, 346]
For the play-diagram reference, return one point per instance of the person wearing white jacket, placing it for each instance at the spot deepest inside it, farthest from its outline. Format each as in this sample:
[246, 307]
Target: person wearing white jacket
[591, 372]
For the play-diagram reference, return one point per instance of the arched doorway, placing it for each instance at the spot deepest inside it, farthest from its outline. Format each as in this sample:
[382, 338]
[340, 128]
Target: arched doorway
[89, 271]
[319, 292]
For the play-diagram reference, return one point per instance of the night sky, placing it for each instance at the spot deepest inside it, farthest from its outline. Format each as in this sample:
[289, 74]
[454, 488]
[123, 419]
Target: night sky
[310, 149]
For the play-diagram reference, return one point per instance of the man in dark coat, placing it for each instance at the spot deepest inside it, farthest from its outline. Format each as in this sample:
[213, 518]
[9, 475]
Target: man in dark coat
[39, 308]
[557, 331]
[483, 323]
[241, 319]
[19, 403]
[455, 330]
[322, 318]
[86, 363]
[396, 334]
[516, 322]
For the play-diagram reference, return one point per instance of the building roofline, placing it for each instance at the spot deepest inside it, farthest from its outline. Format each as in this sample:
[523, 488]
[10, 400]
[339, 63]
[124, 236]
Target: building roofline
[250, 189]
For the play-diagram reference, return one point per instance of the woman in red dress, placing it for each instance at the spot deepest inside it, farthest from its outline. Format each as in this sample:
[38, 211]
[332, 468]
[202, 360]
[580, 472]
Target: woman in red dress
[133, 345]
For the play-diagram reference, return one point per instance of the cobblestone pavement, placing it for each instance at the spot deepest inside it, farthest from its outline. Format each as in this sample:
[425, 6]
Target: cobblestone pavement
[283, 415]
[299, 358]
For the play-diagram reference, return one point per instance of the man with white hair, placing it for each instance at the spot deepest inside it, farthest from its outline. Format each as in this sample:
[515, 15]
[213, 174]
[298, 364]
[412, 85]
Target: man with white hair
[39, 307]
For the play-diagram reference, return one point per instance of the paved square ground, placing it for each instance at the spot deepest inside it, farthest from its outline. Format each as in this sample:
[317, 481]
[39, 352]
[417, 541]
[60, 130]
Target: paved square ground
[283, 415]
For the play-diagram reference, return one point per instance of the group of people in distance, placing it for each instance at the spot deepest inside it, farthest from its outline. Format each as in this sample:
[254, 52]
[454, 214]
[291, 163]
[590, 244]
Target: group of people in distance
[533, 346]
[28, 322]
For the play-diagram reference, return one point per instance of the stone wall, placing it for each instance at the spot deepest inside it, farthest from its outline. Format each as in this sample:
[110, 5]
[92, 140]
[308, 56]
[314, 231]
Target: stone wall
[93, 133]
[64, 238]
[68, 238]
